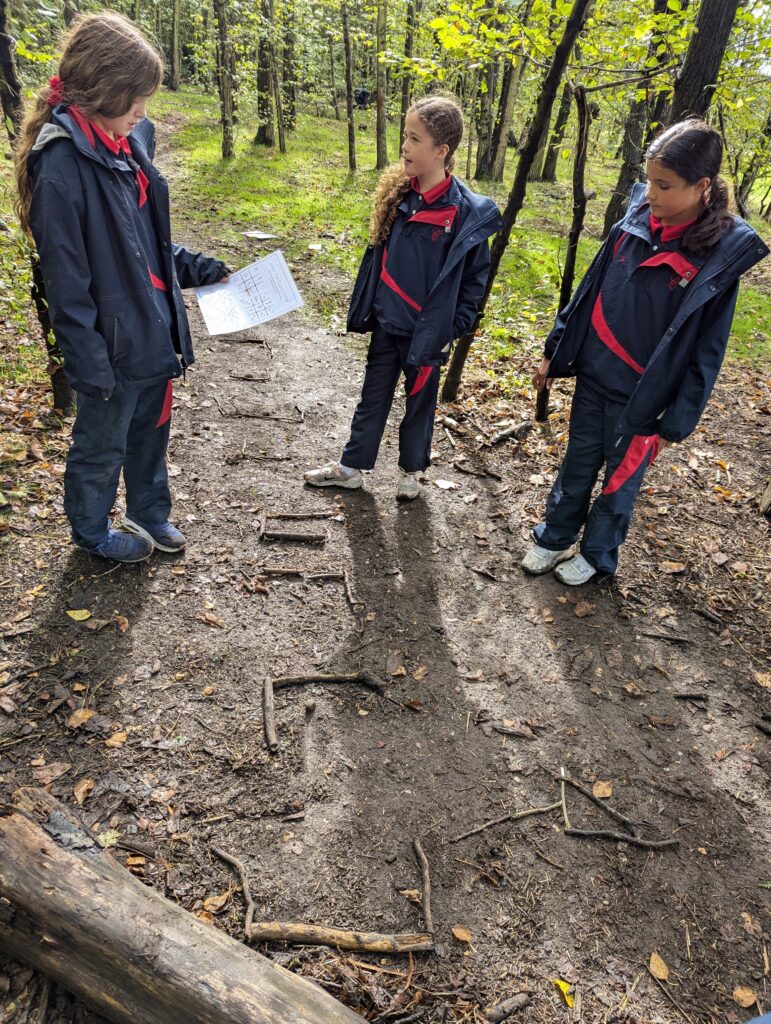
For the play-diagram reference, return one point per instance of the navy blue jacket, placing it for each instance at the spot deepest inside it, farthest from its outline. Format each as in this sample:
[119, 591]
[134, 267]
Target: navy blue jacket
[100, 297]
[678, 378]
[451, 306]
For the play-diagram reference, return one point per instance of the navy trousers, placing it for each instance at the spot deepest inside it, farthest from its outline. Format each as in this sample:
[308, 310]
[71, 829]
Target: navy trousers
[593, 441]
[129, 431]
[386, 361]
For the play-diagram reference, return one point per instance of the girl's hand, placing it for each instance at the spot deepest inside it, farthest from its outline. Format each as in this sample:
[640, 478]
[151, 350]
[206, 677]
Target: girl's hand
[542, 374]
[663, 443]
[224, 280]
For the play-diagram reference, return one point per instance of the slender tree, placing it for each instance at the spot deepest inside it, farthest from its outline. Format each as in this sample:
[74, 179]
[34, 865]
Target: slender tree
[333, 76]
[10, 86]
[697, 81]
[541, 117]
[224, 80]
[349, 86]
[290, 71]
[381, 124]
[176, 52]
[549, 172]
[413, 14]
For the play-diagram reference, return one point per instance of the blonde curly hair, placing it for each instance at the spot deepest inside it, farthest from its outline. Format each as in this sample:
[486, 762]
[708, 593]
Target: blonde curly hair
[444, 120]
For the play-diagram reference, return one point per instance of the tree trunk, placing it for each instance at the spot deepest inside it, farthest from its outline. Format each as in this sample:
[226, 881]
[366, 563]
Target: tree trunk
[579, 196]
[486, 123]
[10, 86]
[632, 145]
[224, 81]
[558, 133]
[512, 74]
[75, 914]
[290, 72]
[537, 165]
[757, 162]
[266, 129]
[573, 26]
[413, 13]
[276, 89]
[349, 87]
[137, 11]
[471, 121]
[333, 75]
[381, 127]
[697, 80]
[176, 54]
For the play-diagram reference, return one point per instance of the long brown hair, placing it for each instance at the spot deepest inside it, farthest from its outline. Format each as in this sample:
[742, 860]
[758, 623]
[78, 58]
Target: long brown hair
[444, 122]
[106, 64]
[694, 150]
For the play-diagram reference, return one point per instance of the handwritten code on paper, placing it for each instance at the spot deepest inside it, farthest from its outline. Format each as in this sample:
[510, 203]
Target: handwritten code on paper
[260, 292]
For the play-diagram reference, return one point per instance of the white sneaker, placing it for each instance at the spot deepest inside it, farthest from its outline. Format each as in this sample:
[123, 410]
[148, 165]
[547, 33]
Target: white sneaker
[332, 475]
[575, 572]
[408, 487]
[539, 560]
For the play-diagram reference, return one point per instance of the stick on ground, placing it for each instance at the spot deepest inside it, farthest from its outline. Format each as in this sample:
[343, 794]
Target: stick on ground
[425, 899]
[504, 818]
[340, 938]
[245, 886]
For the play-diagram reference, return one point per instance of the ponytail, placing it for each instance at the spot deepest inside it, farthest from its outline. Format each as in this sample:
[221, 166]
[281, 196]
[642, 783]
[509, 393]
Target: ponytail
[34, 119]
[393, 185]
[704, 235]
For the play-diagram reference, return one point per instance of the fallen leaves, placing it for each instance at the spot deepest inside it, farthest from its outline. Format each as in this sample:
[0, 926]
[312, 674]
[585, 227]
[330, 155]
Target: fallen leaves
[79, 614]
[584, 609]
[657, 967]
[461, 934]
[81, 790]
[211, 620]
[744, 996]
[672, 568]
[763, 679]
[49, 773]
[564, 987]
[602, 789]
[80, 717]
[116, 741]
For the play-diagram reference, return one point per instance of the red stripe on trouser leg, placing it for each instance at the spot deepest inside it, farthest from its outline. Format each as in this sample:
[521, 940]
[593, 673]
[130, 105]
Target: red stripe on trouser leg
[424, 375]
[607, 337]
[640, 447]
[166, 410]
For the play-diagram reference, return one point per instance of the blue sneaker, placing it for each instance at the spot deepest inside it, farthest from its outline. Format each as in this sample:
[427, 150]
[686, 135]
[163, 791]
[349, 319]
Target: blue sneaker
[122, 547]
[164, 536]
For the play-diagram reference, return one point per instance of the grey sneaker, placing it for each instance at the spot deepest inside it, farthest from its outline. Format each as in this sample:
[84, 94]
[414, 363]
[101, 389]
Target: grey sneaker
[539, 560]
[332, 476]
[408, 487]
[575, 572]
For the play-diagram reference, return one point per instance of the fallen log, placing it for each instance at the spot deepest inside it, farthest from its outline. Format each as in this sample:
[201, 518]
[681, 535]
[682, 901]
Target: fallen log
[72, 912]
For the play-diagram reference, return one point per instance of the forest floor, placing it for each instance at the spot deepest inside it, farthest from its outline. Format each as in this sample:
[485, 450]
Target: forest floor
[650, 689]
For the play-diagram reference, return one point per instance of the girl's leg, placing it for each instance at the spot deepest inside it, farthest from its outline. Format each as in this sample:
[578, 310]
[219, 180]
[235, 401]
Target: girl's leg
[377, 395]
[611, 514]
[568, 503]
[94, 463]
[417, 427]
[148, 501]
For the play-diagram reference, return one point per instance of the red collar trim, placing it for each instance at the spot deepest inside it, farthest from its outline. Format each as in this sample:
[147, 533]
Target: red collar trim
[433, 193]
[670, 231]
[92, 131]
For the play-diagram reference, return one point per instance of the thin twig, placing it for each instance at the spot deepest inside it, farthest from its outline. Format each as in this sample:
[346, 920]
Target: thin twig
[622, 837]
[669, 996]
[563, 800]
[245, 887]
[611, 811]
[425, 899]
[504, 818]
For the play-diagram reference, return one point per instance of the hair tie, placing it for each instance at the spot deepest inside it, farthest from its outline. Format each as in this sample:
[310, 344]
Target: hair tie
[56, 96]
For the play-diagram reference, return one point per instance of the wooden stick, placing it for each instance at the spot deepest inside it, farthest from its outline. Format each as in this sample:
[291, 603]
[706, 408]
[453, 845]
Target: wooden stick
[269, 703]
[501, 1012]
[425, 899]
[622, 837]
[518, 431]
[611, 811]
[504, 818]
[297, 538]
[340, 938]
[355, 605]
[245, 887]
[303, 515]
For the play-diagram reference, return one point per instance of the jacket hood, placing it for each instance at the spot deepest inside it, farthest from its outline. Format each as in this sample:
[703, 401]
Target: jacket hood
[63, 126]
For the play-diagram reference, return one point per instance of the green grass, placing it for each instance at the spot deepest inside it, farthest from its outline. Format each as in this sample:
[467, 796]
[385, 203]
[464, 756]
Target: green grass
[308, 197]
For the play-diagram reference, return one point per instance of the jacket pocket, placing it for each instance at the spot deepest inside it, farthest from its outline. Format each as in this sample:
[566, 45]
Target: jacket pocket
[115, 350]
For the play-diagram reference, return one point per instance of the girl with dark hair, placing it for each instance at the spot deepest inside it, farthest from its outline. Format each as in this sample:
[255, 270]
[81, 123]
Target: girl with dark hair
[99, 213]
[418, 288]
[645, 334]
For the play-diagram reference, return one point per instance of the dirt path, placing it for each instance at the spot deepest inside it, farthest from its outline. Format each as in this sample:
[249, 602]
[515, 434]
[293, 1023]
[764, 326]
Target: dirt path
[495, 681]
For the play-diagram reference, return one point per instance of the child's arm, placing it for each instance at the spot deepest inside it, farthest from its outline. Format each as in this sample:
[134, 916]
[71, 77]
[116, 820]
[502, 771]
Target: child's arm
[472, 287]
[56, 219]
[684, 412]
[194, 270]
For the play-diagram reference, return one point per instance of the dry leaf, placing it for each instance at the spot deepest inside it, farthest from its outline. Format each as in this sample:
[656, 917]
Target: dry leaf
[564, 987]
[207, 691]
[400, 671]
[79, 614]
[50, 772]
[116, 740]
[446, 485]
[657, 967]
[750, 925]
[216, 904]
[82, 789]
[744, 996]
[413, 895]
[763, 679]
[419, 673]
[672, 567]
[461, 933]
[122, 622]
[80, 717]
[546, 615]
[584, 608]
[633, 689]
[602, 789]
[212, 620]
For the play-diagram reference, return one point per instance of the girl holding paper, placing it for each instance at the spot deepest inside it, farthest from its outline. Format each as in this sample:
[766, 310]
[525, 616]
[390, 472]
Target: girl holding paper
[98, 211]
